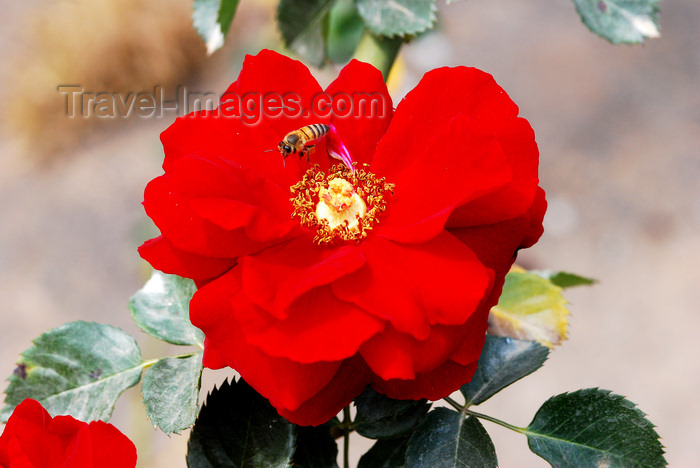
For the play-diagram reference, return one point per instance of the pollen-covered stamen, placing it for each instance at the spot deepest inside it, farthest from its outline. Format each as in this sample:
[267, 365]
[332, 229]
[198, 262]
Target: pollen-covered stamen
[343, 206]
[340, 203]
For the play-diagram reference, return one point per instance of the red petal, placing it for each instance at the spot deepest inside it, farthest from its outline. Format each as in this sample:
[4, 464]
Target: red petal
[256, 224]
[223, 134]
[350, 380]
[412, 286]
[111, 448]
[537, 211]
[434, 385]
[319, 327]
[518, 142]
[24, 432]
[215, 209]
[472, 341]
[19, 458]
[384, 287]
[371, 109]
[446, 93]
[447, 168]
[496, 245]
[78, 448]
[212, 359]
[441, 95]
[270, 72]
[287, 384]
[394, 355]
[390, 355]
[161, 254]
[32, 439]
[276, 277]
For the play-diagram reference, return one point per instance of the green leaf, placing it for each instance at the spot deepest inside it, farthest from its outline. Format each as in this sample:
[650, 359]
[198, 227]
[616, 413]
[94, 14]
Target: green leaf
[316, 448]
[227, 11]
[386, 453]
[380, 417]
[594, 427]
[161, 309]
[503, 361]
[620, 21]
[171, 392]
[564, 279]
[304, 25]
[446, 439]
[530, 308]
[239, 428]
[344, 31]
[79, 369]
[397, 17]
[212, 20]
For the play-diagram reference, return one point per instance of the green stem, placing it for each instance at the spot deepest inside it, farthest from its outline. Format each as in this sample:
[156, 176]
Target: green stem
[464, 410]
[150, 362]
[346, 437]
[379, 51]
[454, 404]
[521, 430]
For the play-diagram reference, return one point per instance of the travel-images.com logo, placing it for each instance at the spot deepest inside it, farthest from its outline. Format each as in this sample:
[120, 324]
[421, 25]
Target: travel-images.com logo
[249, 107]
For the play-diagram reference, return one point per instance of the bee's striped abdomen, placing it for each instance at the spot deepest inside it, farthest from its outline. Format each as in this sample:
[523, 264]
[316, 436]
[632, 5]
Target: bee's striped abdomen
[315, 131]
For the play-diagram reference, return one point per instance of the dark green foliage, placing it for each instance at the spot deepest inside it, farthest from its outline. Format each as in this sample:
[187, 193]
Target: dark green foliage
[316, 448]
[594, 427]
[381, 417]
[564, 279]
[239, 428]
[386, 453]
[446, 439]
[344, 32]
[304, 27]
[503, 361]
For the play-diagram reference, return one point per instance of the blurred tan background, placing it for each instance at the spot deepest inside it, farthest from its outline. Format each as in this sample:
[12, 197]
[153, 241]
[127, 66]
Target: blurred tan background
[618, 129]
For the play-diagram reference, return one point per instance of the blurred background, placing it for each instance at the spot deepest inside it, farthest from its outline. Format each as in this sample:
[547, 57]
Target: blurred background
[619, 134]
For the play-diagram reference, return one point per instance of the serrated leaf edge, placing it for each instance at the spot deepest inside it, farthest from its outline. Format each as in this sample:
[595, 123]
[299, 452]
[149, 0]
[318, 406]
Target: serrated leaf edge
[156, 425]
[408, 34]
[631, 405]
[562, 323]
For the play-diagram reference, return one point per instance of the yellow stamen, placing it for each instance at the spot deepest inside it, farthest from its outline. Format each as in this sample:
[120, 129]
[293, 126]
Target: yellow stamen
[343, 206]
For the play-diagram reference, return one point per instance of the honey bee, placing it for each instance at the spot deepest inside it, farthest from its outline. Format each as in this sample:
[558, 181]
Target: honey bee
[302, 141]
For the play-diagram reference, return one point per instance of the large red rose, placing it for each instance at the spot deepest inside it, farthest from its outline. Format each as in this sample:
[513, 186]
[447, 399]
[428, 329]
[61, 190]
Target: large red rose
[32, 439]
[446, 191]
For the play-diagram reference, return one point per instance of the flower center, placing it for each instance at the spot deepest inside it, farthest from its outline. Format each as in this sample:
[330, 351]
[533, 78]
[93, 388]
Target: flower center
[342, 205]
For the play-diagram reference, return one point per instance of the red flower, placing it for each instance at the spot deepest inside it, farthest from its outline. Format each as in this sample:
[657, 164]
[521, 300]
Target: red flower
[32, 439]
[310, 315]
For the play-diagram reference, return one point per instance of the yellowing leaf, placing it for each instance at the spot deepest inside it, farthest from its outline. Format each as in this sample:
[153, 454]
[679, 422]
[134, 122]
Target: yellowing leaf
[530, 308]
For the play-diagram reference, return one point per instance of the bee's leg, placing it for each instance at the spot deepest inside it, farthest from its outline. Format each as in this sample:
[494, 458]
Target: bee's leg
[307, 152]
